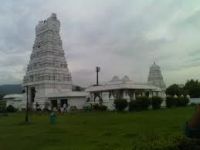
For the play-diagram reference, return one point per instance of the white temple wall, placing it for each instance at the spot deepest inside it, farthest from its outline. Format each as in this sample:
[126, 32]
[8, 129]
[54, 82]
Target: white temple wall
[126, 96]
[109, 101]
[110, 104]
[78, 102]
[105, 96]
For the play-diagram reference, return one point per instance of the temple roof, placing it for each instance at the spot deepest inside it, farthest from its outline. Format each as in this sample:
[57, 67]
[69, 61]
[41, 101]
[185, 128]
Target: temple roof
[14, 97]
[134, 86]
[115, 78]
[124, 83]
[125, 78]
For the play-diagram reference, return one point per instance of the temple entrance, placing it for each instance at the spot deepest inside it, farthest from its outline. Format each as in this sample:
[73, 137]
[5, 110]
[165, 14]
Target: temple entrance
[63, 101]
[63, 105]
[54, 104]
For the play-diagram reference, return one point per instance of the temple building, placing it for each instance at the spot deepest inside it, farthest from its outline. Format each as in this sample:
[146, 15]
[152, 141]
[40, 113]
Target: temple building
[155, 77]
[123, 88]
[16, 100]
[48, 80]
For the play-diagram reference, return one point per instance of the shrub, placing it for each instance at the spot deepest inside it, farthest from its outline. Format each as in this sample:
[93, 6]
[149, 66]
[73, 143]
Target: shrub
[170, 101]
[178, 102]
[10, 108]
[120, 104]
[186, 101]
[193, 104]
[156, 102]
[144, 102]
[182, 101]
[87, 108]
[132, 105]
[98, 107]
[141, 103]
[103, 108]
[73, 108]
[95, 107]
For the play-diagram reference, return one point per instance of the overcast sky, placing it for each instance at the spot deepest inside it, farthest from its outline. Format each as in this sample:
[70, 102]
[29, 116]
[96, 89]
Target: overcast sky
[123, 37]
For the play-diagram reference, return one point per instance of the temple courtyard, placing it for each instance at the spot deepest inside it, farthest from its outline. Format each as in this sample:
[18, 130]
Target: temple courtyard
[95, 130]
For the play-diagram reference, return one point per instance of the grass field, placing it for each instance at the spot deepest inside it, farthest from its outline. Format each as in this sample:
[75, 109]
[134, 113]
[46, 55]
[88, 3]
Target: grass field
[94, 130]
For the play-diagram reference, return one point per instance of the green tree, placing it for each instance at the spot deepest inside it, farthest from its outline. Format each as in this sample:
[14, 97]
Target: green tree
[192, 87]
[174, 89]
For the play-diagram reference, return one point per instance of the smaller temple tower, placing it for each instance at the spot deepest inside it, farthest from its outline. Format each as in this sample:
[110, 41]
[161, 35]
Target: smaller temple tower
[155, 77]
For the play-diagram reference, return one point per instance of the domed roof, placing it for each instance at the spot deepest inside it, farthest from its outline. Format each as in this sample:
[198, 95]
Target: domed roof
[115, 78]
[125, 78]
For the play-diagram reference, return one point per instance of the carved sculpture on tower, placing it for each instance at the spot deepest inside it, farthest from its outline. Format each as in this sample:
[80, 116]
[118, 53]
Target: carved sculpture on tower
[47, 71]
[155, 77]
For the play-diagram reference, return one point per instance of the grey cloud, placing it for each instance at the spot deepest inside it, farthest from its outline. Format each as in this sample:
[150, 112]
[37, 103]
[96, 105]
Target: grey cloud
[123, 37]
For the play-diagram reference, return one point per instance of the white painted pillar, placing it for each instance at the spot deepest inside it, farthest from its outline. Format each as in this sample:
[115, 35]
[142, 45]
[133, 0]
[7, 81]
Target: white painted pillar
[134, 98]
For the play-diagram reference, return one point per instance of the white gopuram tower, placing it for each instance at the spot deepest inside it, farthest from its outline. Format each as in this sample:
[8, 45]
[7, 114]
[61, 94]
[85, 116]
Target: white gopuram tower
[155, 77]
[47, 72]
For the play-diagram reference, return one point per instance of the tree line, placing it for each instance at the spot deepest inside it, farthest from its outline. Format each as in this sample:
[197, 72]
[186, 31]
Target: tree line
[191, 88]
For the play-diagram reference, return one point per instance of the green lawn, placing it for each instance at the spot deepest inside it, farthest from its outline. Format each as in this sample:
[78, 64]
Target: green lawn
[94, 130]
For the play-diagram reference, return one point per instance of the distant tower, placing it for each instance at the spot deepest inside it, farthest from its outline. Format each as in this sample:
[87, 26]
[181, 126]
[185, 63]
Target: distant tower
[47, 71]
[155, 77]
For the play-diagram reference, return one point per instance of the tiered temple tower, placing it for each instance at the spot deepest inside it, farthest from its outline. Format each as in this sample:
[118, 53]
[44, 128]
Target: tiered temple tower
[155, 77]
[47, 71]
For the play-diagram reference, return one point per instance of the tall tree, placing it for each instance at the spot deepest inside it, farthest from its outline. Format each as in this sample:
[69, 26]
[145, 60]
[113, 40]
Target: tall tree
[192, 87]
[174, 89]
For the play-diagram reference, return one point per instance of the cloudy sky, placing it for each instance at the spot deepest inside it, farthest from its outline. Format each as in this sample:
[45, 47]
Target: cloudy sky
[123, 37]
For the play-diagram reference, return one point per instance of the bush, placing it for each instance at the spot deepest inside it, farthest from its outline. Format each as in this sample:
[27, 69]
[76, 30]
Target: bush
[73, 109]
[182, 101]
[98, 107]
[120, 104]
[95, 107]
[144, 102]
[132, 105]
[193, 104]
[10, 108]
[156, 102]
[103, 108]
[186, 101]
[87, 108]
[141, 103]
[170, 101]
